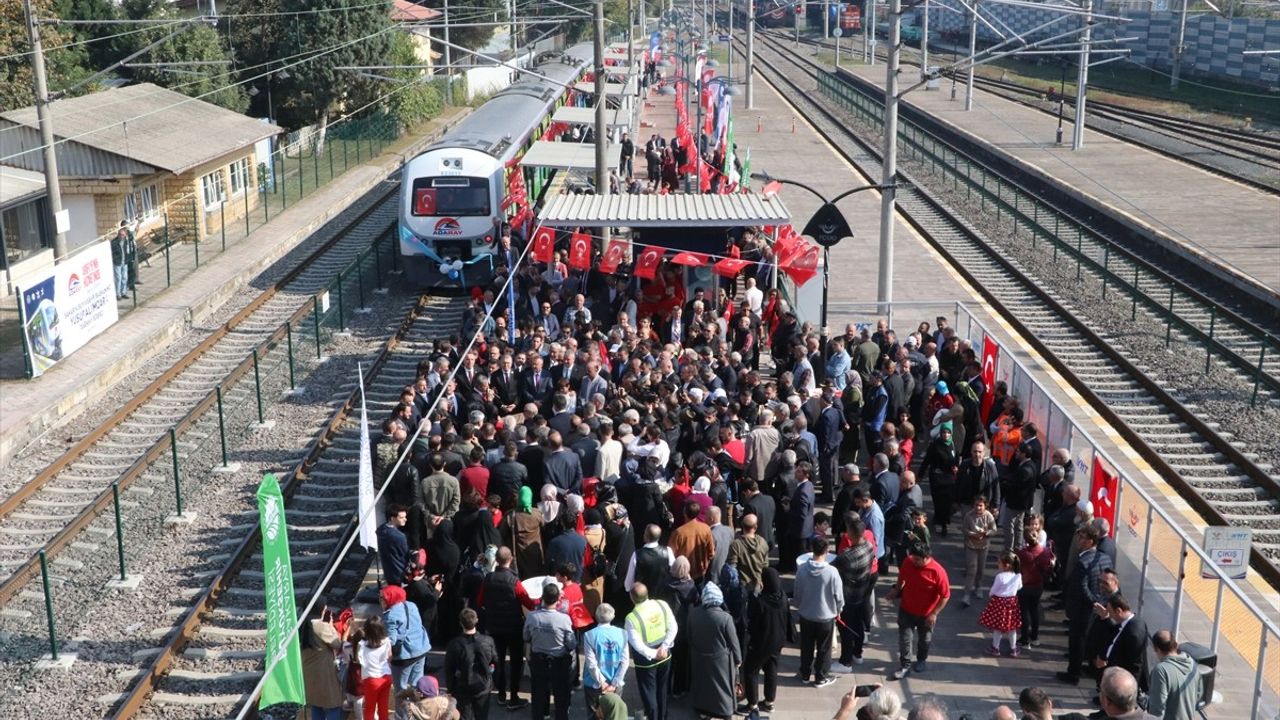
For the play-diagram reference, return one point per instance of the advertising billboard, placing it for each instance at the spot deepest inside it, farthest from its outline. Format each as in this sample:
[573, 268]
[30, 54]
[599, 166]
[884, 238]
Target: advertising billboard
[65, 308]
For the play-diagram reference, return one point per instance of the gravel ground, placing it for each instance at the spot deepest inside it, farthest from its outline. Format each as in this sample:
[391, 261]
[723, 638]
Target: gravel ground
[34, 458]
[107, 628]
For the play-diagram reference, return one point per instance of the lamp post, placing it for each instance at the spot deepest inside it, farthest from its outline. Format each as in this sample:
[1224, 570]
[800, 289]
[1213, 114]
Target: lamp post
[827, 227]
[1062, 93]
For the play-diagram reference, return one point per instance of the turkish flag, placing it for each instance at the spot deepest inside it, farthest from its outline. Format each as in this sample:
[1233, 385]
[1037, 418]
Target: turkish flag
[647, 262]
[990, 361]
[772, 188]
[580, 251]
[613, 256]
[729, 267]
[802, 265]
[424, 201]
[544, 244]
[1103, 493]
[786, 245]
[690, 259]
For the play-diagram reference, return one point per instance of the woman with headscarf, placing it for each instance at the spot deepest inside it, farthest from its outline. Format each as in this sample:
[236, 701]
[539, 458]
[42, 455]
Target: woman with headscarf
[714, 650]
[444, 558]
[851, 403]
[971, 424]
[941, 400]
[549, 505]
[941, 465]
[320, 641]
[594, 571]
[702, 495]
[610, 707]
[681, 595]
[768, 628]
[522, 532]
[424, 702]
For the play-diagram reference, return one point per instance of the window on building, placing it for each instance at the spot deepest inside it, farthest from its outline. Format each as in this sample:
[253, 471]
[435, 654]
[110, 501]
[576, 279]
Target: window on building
[239, 171]
[215, 192]
[142, 204]
[23, 231]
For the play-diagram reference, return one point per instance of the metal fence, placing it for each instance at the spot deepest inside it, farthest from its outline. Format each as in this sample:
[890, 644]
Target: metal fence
[1159, 560]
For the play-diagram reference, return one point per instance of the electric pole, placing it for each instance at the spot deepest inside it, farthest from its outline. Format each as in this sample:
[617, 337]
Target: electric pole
[1177, 50]
[924, 45]
[41, 89]
[751, 49]
[888, 178]
[602, 138]
[1082, 79]
[448, 56]
[973, 50]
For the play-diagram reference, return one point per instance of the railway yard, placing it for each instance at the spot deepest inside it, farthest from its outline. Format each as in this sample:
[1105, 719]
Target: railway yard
[1131, 289]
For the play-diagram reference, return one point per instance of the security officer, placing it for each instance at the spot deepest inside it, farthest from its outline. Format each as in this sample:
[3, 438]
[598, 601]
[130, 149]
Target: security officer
[651, 631]
[549, 635]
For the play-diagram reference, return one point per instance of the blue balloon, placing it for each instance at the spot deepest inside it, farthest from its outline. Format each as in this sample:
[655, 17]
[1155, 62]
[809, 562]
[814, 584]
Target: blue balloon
[454, 274]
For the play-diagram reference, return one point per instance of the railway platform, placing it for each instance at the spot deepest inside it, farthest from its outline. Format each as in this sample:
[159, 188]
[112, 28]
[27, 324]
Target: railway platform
[30, 408]
[1211, 219]
[783, 144]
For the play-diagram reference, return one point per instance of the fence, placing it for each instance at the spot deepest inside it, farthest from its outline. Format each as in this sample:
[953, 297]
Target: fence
[202, 443]
[1153, 548]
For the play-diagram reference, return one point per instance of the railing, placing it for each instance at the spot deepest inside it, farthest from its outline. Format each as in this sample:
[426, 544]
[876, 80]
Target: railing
[1153, 547]
[1065, 235]
[202, 442]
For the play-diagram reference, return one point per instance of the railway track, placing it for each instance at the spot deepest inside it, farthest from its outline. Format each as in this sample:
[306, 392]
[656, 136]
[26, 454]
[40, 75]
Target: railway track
[1248, 157]
[51, 510]
[211, 656]
[1232, 330]
[1195, 457]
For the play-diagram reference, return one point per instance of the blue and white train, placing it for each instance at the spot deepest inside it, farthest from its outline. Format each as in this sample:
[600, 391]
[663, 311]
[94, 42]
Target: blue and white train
[451, 195]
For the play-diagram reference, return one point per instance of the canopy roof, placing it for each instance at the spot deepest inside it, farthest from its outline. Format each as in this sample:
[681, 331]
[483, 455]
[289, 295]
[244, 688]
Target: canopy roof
[612, 90]
[568, 155]
[677, 210]
[613, 117]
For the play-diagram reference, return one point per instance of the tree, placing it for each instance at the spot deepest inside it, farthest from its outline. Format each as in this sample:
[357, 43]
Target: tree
[64, 66]
[191, 59]
[99, 51]
[415, 99]
[471, 11]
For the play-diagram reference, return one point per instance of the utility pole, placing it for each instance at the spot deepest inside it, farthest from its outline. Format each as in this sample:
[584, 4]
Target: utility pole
[871, 32]
[751, 50]
[1177, 50]
[448, 55]
[973, 50]
[924, 45]
[826, 19]
[511, 13]
[602, 138]
[41, 89]
[1082, 79]
[888, 178]
[729, 72]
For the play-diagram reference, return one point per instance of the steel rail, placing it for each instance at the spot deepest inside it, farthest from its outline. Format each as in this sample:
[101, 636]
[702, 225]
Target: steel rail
[1265, 567]
[145, 683]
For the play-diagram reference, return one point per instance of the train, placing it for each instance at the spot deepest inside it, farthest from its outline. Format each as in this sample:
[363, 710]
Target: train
[844, 15]
[769, 13]
[451, 194]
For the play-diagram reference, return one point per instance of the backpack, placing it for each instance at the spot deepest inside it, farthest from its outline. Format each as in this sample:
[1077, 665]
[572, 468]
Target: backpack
[475, 673]
[598, 565]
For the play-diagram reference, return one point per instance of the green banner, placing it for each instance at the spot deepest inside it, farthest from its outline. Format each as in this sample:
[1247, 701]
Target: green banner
[284, 679]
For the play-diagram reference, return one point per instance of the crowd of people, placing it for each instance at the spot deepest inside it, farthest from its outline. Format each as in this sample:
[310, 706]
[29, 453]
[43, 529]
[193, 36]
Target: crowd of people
[624, 493]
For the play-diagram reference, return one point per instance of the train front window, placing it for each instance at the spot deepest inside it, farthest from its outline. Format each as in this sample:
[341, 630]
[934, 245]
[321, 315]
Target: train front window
[452, 196]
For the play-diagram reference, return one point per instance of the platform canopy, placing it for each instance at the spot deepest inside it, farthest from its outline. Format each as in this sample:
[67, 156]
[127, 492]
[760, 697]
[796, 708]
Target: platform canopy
[613, 117]
[670, 211]
[612, 90]
[621, 55]
[568, 155]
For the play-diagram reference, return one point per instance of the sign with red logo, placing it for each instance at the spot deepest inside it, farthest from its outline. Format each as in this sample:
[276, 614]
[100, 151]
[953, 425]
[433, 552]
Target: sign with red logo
[990, 360]
[447, 226]
[1103, 493]
[424, 201]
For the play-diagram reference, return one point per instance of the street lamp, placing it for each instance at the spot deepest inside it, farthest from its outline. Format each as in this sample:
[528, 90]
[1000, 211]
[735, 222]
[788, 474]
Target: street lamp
[827, 227]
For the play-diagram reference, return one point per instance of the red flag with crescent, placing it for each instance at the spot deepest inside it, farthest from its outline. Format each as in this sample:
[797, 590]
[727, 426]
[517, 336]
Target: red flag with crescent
[786, 245]
[730, 267]
[613, 256]
[802, 265]
[1103, 493]
[544, 244]
[580, 251]
[990, 361]
[647, 262]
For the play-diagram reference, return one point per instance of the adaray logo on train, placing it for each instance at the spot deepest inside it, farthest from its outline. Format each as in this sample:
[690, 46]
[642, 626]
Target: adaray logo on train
[284, 659]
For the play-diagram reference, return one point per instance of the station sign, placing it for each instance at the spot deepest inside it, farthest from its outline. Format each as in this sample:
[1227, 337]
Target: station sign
[828, 226]
[1229, 548]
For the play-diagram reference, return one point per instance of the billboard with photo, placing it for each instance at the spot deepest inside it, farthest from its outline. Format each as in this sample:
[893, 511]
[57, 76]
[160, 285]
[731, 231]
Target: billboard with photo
[65, 308]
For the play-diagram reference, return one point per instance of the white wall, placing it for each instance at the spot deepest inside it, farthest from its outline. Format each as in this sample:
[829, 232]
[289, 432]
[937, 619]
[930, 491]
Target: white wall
[84, 220]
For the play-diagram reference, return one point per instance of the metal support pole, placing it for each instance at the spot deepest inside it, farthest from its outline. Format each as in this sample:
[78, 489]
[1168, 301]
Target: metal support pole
[1217, 615]
[342, 320]
[1146, 556]
[1168, 326]
[195, 228]
[168, 269]
[48, 606]
[222, 216]
[1106, 261]
[247, 227]
[1260, 675]
[1177, 593]
[1176, 70]
[53, 186]
[222, 426]
[884, 292]
[602, 138]
[826, 19]
[315, 315]
[729, 66]
[826, 281]
[1133, 312]
[973, 50]
[257, 386]
[1208, 349]
[751, 51]
[448, 63]
[115, 502]
[177, 472]
[288, 337]
[1257, 376]
[924, 46]
[360, 283]
[1082, 77]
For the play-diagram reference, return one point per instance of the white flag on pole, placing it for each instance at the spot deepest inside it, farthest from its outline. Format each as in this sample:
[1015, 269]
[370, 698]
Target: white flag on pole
[368, 518]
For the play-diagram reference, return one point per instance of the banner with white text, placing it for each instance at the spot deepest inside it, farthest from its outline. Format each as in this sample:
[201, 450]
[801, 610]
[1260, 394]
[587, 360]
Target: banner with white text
[67, 307]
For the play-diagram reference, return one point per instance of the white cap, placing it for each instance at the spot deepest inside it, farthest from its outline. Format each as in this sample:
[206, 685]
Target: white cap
[1085, 507]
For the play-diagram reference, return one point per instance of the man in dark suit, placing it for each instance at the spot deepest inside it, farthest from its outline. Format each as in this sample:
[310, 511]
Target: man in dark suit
[830, 431]
[506, 386]
[762, 506]
[592, 383]
[563, 467]
[586, 446]
[507, 476]
[885, 485]
[800, 518]
[1083, 592]
[1128, 648]
[673, 328]
[537, 383]
[533, 458]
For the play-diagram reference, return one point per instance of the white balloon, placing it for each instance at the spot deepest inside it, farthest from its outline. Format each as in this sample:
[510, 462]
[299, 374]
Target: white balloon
[444, 268]
[457, 264]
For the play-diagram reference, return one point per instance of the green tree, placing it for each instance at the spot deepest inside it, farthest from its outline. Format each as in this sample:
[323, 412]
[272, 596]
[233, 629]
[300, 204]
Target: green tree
[99, 51]
[415, 99]
[64, 66]
[192, 58]
[470, 12]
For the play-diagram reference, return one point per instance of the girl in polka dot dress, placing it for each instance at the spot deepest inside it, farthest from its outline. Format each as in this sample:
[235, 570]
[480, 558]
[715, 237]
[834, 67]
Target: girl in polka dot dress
[1001, 615]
